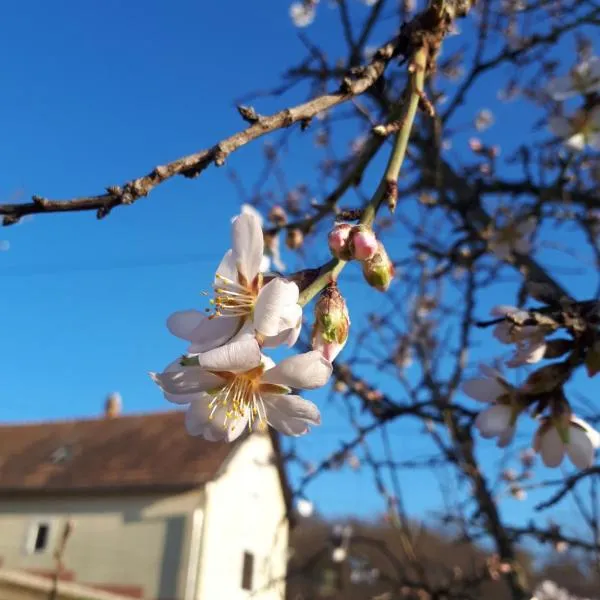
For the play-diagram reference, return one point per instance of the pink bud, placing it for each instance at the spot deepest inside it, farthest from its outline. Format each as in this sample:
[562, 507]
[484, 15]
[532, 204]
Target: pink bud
[363, 243]
[338, 240]
[332, 322]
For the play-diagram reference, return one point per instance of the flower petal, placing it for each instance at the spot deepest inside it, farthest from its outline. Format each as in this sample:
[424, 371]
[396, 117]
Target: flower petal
[561, 88]
[483, 389]
[179, 380]
[248, 245]
[560, 126]
[211, 333]
[183, 322]
[591, 432]
[576, 142]
[201, 420]
[287, 337]
[227, 269]
[551, 448]
[237, 356]
[290, 414]
[506, 437]
[308, 371]
[274, 307]
[494, 421]
[580, 448]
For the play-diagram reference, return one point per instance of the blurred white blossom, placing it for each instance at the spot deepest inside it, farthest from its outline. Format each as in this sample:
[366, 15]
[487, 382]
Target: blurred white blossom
[579, 130]
[583, 79]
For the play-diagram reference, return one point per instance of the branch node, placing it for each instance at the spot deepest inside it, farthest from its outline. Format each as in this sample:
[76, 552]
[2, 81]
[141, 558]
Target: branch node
[249, 114]
[40, 201]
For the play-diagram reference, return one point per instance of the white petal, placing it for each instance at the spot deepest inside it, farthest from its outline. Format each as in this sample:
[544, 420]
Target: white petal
[227, 269]
[503, 332]
[528, 353]
[237, 356]
[576, 142]
[494, 421]
[248, 245]
[265, 264]
[506, 437]
[590, 431]
[273, 306]
[201, 420]
[560, 126]
[483, 389]
[308, 371]
[212, 333]
[248, 209]
[551, 448]
[288, 337]
[501, 310]
[580, 448]
[290, 414]
[183, 322]
[177, 380]
[196, 415]
[561, 88]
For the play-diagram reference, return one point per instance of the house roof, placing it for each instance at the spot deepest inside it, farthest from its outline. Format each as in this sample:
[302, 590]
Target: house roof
[127, 452]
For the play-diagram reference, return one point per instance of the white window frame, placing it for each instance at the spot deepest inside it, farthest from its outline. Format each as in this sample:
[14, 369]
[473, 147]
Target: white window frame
[32, 532]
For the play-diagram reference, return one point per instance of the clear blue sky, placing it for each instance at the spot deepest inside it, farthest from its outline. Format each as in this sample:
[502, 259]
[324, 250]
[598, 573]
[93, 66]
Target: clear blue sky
[94, 94]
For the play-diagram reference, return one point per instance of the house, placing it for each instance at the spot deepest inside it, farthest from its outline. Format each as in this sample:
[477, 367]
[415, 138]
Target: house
[150, 512]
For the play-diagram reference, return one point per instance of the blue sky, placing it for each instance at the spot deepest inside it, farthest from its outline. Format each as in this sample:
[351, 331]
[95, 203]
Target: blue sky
[95, 94]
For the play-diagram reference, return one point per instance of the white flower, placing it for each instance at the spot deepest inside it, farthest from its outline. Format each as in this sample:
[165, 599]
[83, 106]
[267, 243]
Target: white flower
[339, 555]
[302, 13]
[235, 387]
[530, 339]
[579, 130]
[241, 299]
[484, 119]
[304, 507]
[513, 238]
[497, 421]
[583, 79]
[271, 253]
[575, 438]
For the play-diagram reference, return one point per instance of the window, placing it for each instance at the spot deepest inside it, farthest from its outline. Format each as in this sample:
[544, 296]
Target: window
[38, 537]
[41, 537]
[247, 571]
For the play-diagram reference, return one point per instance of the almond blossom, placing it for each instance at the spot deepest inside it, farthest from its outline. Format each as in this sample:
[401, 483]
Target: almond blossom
[497, 421]
[568, 435]
[303, 13]
[235, 387]
[242, 299]
[578, 131]
[515, 237]
[530, 340]
[583, 79]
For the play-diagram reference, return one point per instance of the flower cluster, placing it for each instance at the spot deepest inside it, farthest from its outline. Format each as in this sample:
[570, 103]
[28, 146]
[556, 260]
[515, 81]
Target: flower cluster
[560, 432]
[226, 380]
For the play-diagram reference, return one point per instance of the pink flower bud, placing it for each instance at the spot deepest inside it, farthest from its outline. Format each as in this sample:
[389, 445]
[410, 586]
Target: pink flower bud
[379, 270]
[338, 240]
[332, 323]
[363, 243]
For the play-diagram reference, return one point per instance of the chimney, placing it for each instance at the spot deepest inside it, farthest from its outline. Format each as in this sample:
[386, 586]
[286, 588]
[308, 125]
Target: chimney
[112, 406]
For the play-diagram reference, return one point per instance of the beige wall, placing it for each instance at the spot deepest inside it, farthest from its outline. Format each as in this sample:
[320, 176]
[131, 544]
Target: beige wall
[117, 540]
[246, 510]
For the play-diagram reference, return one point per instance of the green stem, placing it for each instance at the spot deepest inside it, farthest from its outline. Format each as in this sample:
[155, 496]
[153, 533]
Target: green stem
[330, 271]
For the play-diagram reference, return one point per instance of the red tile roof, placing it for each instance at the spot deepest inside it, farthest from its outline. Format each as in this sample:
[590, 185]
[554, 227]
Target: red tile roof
[127, 452]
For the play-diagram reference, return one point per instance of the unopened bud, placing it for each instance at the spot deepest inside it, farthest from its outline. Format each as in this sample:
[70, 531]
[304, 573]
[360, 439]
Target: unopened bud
[294, 238]
[475, 145]
[332, 323]
[278, 216]
[363, 243]
[338, 241]
[379, 270]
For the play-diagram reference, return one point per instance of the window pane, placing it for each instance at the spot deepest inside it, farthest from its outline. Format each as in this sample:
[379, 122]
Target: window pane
[41, 537]
[247, 571]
